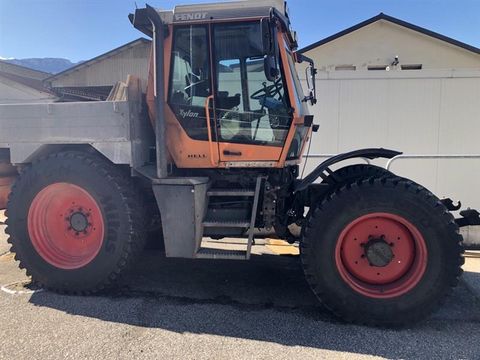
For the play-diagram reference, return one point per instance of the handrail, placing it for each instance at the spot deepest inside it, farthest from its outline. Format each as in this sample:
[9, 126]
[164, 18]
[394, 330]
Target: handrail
[406, 156]
[430, 156]
[210, 141]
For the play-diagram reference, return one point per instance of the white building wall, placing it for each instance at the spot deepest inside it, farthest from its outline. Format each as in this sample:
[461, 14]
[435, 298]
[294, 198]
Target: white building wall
[379, 43]
[423, 112]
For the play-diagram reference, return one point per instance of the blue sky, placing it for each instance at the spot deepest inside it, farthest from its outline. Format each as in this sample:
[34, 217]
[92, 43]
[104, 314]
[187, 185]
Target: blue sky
[81, 29]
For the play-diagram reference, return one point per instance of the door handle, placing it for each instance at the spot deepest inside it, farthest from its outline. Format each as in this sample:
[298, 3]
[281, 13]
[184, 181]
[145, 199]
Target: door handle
[232, 153]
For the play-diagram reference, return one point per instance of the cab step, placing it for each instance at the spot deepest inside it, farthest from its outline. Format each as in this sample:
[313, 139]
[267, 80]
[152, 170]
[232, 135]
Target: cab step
[219, 254]
[208, 253]
[227, 223]
[231, 192]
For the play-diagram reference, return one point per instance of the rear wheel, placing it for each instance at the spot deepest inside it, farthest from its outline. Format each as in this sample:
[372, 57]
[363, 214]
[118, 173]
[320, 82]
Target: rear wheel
[388, 253]
[75, 222]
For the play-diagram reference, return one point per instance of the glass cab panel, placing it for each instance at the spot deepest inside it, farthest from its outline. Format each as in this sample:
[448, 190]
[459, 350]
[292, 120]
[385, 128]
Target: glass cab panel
[249, 108]
[217, 83]
[190, 79]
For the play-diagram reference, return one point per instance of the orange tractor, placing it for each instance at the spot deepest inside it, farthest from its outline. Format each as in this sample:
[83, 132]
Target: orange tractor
[213, 150]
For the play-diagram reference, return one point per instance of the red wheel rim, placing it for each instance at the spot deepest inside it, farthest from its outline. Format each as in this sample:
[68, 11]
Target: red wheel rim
[381, 255]
[65, 226]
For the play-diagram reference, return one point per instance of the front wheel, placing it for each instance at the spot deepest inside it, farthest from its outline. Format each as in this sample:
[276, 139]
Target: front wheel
[75, 222]
[381, 251]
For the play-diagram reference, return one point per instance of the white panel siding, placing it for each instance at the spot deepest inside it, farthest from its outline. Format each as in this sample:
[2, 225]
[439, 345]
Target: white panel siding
[460, 116]
[365, 101]
[434, 113]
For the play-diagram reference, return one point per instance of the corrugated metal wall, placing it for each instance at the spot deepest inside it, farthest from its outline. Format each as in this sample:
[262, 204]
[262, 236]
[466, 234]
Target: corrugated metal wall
[424, 112]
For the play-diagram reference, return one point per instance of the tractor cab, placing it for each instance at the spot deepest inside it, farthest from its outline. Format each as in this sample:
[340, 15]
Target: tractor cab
[230, 91]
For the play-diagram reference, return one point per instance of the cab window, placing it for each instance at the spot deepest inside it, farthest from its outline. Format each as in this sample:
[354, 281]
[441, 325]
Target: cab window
[190, 80]
[249, 108]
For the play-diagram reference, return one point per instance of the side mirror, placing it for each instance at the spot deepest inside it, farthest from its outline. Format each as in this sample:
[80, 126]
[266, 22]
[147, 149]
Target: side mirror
[270, 48]
[267, 37]
[310, 73]
[270, 68]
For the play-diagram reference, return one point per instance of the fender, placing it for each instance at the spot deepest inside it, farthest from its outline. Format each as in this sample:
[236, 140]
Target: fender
[371, 154]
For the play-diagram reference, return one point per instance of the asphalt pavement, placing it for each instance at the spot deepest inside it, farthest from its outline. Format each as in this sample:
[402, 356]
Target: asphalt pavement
[202, 309]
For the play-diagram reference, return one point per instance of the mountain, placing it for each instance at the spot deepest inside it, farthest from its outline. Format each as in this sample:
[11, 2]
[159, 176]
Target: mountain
[49, 65]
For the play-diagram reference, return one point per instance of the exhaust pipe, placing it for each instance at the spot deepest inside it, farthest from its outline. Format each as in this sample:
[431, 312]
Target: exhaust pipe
[159, 85]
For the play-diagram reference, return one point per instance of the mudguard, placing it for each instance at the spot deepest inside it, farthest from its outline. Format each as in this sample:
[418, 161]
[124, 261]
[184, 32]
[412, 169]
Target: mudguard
[372, 153]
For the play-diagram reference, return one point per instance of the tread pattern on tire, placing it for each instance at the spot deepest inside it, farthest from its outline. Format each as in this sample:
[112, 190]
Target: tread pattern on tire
[130, 197]
[355, 172]
[454, 263]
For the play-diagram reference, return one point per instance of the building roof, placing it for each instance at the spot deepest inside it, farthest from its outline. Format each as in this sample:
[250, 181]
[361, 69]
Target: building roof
[24, 76]
[97, 59]
[23, 71]
[391, 19]
[32, 83]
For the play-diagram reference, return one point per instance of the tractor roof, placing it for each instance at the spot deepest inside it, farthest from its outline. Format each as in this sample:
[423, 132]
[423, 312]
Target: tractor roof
[232, 10]
[223, 10]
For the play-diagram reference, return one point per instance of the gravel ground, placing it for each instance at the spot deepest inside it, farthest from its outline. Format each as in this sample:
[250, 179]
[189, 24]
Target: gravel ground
[262, 309]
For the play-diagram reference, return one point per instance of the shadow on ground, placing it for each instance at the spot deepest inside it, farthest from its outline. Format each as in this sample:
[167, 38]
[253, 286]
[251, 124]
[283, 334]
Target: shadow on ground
[266, 299]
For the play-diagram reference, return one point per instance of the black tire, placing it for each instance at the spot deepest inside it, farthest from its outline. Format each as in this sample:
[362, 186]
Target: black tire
[352, 173]
[120, 213]
[389, 195]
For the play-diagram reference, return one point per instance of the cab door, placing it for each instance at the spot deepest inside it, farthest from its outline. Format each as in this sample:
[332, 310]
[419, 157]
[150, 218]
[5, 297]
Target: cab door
[252, 114]
[191, 97]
